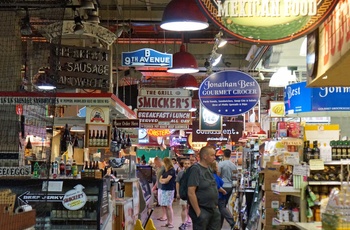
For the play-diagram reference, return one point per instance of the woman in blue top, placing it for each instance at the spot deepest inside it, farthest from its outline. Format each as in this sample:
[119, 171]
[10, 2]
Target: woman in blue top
[218, 180]
[168, 183]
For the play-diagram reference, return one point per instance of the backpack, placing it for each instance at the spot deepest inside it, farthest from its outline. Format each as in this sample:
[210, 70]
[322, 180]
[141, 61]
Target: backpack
[184, 183]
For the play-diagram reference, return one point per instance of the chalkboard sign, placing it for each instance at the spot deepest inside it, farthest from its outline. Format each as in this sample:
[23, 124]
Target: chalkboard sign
[104, 211]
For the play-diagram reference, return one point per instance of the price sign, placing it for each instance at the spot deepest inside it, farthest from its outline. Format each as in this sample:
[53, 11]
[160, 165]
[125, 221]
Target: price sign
[316, 164]
[301, 170]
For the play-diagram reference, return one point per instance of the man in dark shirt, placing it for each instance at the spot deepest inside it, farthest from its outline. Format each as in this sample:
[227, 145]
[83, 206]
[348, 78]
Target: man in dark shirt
[203, 193]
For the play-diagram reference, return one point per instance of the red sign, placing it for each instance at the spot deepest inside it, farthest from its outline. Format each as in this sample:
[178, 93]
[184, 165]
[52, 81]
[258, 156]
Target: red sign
[164, 120]
[161, 103]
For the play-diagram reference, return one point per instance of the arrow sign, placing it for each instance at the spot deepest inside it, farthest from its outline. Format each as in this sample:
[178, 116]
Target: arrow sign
[27, 197]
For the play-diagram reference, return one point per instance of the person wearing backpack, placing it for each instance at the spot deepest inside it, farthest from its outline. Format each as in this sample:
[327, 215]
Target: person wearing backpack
[203, 193]
[184, 211]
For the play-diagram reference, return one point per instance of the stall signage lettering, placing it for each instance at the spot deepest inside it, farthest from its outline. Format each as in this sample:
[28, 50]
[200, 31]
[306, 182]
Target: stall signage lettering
[15, 171]
[229, 93]
[164, 92]
[82, 101]
[157, 119]
[82, 67]
[267, 22]
[27, 100]
[27, 197]
[161, 103]
[234, 129]
[75, 198]
[121, 123]
[147, 57]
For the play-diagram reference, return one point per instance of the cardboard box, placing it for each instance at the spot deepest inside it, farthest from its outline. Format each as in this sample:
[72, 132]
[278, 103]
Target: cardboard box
[270, 213]
[272, 200]
[270, 177]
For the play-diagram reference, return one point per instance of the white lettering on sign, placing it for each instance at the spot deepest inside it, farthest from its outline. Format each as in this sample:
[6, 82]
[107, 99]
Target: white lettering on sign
[266, 8]
[83, 82]
[15, 171]
[330, 90]
[176, 103]
[292, 92]
[27, 100]
[170, 115]
[82, 53]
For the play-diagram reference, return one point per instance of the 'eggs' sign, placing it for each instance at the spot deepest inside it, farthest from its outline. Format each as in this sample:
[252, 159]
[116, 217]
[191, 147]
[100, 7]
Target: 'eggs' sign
[229, 93]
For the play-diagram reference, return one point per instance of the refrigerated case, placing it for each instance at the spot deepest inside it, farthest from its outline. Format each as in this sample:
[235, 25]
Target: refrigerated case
[63, 204]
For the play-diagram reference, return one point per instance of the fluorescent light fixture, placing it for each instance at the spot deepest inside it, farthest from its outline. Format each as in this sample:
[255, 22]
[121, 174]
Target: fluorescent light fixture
[215, 58]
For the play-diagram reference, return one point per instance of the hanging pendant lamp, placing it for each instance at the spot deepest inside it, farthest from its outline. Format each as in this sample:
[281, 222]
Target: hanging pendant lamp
[183, 15]
[187, 81]
[183, 62]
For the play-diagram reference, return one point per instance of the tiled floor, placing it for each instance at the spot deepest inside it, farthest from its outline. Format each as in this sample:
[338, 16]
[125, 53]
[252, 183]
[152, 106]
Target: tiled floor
[177, 218]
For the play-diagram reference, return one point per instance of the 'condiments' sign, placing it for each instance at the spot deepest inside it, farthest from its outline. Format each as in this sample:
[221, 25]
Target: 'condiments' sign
[81, 67]
[267, 21]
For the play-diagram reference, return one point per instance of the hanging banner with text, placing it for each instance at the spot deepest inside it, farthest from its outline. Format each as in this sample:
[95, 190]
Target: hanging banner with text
[229, 93]
[234, 129]
[164, 120]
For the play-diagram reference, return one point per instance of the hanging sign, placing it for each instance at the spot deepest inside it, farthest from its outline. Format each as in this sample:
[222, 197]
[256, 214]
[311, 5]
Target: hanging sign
[75, 198]
[267, 21]
[147, 57]
[229, 93]
[208, 120]
[297, 98]
[229, 129]
[164, 103]
[97, 115]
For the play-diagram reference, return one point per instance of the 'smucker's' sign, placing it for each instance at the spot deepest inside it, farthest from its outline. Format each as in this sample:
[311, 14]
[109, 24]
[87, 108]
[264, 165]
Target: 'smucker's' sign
[267, 21]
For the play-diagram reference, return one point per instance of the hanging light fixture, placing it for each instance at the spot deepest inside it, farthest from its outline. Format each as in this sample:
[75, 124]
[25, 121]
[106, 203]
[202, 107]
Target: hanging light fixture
[78, 27]
[183, 15]
[187, 81]
[183, 62]
[25, 25]
[220, 42]
[193, 108]
[282, 77]
[87, 5]
[42, 80]
[93, 16]
[215, 58]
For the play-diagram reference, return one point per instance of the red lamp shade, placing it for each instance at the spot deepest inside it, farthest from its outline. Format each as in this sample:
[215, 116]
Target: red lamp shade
[183, 15]
[187, 81]
[183, 62]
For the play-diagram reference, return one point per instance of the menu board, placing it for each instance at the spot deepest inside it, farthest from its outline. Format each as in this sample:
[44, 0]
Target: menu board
[104, 211]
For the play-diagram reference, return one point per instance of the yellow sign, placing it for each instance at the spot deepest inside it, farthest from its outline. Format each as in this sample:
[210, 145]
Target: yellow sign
[158, 132]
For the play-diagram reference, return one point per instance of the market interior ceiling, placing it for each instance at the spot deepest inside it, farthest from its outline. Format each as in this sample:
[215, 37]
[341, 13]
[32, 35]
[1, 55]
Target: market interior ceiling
[137, 23]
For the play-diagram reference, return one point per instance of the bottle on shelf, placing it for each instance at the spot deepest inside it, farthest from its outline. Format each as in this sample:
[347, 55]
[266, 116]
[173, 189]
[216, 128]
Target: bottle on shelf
[97, 138]
[74, 169]
[93, 138]
[339, 150]
[344, 152]
[308, 151]
[90, 138]
[334, 150]
[105, 139]
[28, 148]
[62, 168]
[348, 149]
[315, 150]
[54, 169]
[68, 168]
[36, 170]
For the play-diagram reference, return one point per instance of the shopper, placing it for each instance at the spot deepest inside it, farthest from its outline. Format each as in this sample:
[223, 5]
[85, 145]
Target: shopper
[167, 181]
[203, 193]
[159, 168]
[227, 171]
[184, 211]
[221, 198]
[193, 159]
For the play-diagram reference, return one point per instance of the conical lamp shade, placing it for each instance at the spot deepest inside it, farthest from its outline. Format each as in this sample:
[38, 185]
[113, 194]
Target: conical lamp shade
[183, 15]
[187, 81]
[183, 62]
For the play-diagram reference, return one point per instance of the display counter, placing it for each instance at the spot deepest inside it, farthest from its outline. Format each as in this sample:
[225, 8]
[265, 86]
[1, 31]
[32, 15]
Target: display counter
[64, 203]
[309, 226]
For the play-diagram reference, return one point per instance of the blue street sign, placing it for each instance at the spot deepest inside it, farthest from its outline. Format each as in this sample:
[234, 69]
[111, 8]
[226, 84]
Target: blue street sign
[229, 93]
[147, 57]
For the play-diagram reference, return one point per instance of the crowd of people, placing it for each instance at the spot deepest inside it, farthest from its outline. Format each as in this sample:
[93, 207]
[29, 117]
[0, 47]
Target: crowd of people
[210, 185]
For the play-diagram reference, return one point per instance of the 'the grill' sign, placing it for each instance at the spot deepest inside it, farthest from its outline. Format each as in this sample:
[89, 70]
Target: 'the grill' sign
[74, 199]
[229, 93]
